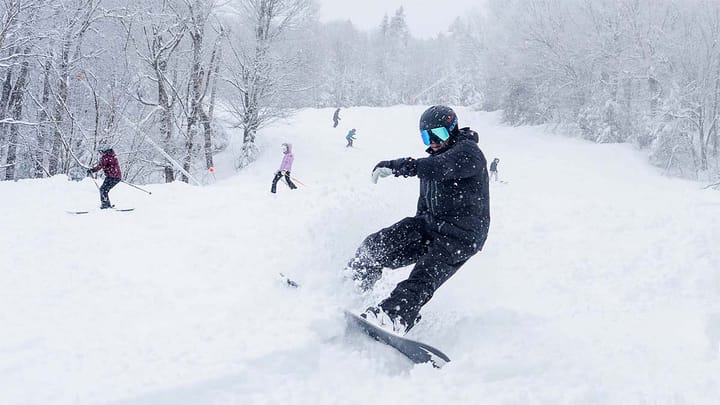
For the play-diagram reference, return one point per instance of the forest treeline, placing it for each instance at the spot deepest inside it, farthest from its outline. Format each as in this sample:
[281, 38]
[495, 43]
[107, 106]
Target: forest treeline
[162, 80]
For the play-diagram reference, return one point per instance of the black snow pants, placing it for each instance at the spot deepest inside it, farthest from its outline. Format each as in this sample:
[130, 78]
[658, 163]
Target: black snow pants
[406, 242]
[108, 183]
[278, 175]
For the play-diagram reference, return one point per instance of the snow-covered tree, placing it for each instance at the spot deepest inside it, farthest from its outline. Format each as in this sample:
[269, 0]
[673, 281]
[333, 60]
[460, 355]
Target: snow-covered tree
[263, 64]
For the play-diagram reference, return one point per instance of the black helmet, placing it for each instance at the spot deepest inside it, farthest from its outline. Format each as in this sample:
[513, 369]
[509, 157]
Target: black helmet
[438, 117]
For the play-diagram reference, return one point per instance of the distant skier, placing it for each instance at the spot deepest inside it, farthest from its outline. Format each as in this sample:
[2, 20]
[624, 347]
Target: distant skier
[450, 226]
[285, 167]
[350, 137]
[111, 168]
[494, 169]
[336, 118]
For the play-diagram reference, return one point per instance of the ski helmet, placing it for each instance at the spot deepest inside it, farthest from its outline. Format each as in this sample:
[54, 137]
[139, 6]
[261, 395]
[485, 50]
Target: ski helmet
[437, 123]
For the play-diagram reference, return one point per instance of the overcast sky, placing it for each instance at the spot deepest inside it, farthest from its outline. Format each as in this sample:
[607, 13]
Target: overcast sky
[426, 18]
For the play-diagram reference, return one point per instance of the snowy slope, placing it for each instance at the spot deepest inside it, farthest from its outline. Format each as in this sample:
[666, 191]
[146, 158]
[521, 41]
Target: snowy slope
[598, 283]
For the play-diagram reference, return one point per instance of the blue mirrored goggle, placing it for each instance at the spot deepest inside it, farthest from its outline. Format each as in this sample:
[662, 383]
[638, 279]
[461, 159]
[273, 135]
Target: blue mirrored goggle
[436, 135]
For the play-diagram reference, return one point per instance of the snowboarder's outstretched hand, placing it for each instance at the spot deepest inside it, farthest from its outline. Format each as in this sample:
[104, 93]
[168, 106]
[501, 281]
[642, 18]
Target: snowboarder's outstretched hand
[380, 172]
[400, 167]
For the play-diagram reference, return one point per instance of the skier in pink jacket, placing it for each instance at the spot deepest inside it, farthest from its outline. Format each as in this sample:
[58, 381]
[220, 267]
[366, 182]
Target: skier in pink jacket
[285, 167]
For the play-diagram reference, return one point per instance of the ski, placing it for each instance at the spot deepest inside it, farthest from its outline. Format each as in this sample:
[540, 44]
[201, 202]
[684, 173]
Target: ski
[89, 211]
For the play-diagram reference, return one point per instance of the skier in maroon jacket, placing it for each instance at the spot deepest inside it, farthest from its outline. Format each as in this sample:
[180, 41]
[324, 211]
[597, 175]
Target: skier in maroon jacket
[111, 167]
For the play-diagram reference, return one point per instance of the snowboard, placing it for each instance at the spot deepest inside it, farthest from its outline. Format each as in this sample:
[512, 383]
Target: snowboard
[417, 352]
[106, 209]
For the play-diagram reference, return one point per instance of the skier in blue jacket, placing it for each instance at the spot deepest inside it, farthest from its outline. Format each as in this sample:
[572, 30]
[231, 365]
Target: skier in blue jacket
[350, 137]
[450, 225]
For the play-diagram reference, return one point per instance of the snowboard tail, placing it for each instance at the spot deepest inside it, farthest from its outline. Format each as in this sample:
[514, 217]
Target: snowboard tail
[417, 352]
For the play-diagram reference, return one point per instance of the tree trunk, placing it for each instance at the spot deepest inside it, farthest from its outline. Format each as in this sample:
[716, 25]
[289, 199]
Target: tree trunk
[42, 133]
[187, 159]
[196, 80]
[207, 130]
[16, 106]
[166, 133]
[4, 100]
[654, 90]
[206, 119]
[164, 101]
[57, 144]
[701, 139]
[214, 78]
[713, 133]
[248, 151]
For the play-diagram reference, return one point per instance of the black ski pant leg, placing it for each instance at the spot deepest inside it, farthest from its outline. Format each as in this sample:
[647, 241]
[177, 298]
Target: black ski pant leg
[108, 184]
[393, 247]
[289, 182]
[277, 177]
[430, 272]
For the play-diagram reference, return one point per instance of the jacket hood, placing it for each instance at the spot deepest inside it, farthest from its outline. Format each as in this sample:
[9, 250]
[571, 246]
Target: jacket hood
[467, 133]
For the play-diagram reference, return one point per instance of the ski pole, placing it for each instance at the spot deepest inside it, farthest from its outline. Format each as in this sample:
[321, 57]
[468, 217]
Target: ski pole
[132, 185]
[298, 181]
[93, 179]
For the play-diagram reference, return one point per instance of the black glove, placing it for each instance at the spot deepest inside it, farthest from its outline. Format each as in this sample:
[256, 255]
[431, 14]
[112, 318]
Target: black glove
[400, 167]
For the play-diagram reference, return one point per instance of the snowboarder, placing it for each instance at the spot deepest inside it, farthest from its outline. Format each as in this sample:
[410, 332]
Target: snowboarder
[450, 226]
[494, 169]
[350, 137]
[285, 167]
[111, 168]
[336, 118]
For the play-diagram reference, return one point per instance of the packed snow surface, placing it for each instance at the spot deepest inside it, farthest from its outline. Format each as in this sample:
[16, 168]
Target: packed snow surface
[598, 284]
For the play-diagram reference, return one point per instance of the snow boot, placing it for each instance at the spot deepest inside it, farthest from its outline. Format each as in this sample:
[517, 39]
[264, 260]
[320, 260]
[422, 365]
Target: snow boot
[383, 320]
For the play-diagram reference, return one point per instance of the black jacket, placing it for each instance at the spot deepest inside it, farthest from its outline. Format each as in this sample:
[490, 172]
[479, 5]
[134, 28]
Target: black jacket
[454, 194]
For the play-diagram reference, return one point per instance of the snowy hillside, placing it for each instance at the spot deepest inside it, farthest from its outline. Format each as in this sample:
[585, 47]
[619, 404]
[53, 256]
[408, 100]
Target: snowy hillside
[598, 283]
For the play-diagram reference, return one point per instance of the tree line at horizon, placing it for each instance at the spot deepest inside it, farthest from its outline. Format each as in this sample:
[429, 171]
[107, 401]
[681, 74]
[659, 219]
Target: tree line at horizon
[162, 80]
